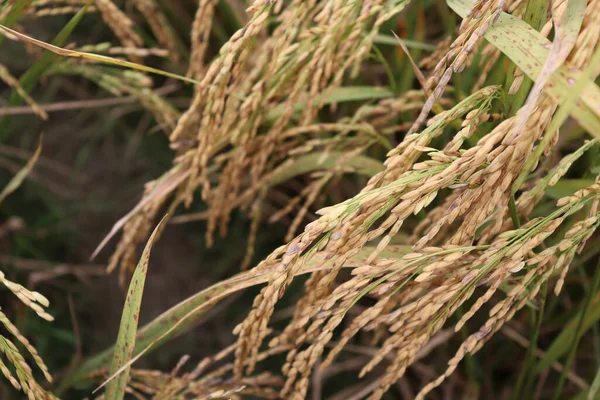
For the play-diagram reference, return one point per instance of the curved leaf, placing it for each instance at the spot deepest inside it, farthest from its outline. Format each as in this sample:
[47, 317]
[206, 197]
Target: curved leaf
[16, 181]
[95, 57]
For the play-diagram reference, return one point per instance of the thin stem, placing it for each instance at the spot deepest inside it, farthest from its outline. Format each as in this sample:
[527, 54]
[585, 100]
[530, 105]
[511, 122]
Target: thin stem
[531, 352]
[469, 361]
[524, 374]
[525, 380]
[514, 215]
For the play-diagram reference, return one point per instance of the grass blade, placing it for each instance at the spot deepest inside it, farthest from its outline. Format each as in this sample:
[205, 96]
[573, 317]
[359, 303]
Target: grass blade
[95, 57]
[317, 161]
[564, 187]
[18, 179]
[392, 41]
[341, 95]
[119, 370]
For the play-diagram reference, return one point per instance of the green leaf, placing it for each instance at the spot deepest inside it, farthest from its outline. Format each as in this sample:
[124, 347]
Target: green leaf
[411, 44]
[566, 187]
[325, 160]
[355, 93]
[18, 179]
[529, 49]
[119, 370]
[341, 95]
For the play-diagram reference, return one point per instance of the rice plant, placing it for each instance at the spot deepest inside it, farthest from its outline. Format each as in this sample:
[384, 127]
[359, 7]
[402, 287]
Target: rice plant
[434, 166]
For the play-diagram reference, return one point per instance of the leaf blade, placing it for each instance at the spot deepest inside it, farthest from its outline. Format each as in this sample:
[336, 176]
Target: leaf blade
[119, 375]
[95, 57]
[18, 179]
[362, 165]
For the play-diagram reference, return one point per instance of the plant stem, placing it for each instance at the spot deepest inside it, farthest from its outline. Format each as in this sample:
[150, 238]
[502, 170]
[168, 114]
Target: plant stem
[531, 352]
[526, 377]
[514, 215]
